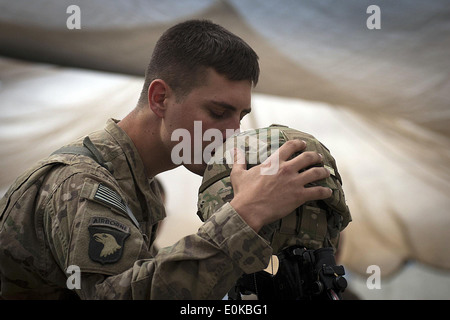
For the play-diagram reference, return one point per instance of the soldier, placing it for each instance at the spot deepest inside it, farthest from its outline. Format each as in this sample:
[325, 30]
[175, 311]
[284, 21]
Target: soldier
[94, 204]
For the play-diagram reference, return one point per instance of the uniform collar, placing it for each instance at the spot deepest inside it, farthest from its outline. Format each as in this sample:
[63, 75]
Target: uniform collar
[141, 190]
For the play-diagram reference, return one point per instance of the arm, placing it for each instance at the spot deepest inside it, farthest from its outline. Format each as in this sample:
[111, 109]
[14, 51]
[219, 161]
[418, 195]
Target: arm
[200, 266]
[207, 264]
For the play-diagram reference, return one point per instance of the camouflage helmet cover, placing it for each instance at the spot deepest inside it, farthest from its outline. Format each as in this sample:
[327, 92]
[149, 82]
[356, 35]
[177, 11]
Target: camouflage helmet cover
[313, 225]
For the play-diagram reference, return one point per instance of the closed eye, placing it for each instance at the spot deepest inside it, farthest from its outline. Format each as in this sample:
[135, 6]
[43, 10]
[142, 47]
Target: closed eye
[217, 114]
[219, 110]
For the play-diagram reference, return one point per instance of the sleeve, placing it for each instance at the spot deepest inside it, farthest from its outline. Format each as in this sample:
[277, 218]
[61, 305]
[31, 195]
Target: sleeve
[204, 265]
[108, 248]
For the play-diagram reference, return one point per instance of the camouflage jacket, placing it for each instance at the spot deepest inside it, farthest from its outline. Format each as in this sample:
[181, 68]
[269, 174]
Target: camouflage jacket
[68, 210]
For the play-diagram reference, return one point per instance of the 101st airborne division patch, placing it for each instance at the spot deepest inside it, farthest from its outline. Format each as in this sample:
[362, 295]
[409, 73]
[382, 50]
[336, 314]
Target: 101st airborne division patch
[107, 238]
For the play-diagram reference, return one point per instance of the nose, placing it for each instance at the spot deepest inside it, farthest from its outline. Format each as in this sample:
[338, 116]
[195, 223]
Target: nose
[232, 128]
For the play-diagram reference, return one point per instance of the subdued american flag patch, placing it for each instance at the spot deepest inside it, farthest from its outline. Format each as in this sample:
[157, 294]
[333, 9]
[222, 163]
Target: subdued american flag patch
[111, 198]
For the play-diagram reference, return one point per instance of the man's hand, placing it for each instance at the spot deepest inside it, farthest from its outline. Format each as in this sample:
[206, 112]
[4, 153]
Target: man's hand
[262, 199]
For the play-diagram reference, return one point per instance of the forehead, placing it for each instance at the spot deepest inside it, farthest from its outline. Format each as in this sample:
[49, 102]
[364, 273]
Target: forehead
[221, 91]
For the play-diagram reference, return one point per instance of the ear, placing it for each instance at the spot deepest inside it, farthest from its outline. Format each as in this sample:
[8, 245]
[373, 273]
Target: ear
[158, 91]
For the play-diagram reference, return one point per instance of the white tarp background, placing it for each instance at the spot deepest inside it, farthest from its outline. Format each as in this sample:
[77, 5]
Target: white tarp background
[379, 99]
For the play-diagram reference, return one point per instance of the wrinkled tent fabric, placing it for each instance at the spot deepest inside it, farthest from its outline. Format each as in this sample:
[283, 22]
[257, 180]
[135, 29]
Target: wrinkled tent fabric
[315, 50]
[383, 111]
[398, 199]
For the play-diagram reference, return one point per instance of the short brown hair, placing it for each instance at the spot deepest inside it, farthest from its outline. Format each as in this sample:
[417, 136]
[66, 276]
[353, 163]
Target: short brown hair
[184, 52]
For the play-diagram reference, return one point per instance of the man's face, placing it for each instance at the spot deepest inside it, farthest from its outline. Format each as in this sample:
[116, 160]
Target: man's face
[217, 104]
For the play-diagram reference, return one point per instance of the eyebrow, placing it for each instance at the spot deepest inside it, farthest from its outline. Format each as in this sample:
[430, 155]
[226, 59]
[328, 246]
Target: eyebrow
[229, 106]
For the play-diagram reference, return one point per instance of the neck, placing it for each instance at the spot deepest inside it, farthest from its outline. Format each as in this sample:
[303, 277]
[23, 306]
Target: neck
[144, 129]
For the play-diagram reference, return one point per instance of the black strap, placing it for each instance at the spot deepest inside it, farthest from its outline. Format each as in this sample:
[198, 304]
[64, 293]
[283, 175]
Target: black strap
[88, 149]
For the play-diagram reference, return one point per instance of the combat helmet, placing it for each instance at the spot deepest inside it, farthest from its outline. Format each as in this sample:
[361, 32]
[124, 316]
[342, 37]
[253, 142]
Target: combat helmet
[313, 225]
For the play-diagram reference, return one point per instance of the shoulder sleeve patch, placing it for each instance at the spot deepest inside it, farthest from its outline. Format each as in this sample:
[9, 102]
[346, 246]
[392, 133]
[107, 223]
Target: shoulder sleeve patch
[102, 241]
[106, 196]
[107, 237]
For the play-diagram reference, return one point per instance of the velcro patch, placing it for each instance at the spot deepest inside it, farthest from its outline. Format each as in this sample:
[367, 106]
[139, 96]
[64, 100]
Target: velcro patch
[106, 239]
[109, 197]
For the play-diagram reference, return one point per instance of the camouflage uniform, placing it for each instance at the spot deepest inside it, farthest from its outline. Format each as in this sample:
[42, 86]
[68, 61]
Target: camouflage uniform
[70, 210]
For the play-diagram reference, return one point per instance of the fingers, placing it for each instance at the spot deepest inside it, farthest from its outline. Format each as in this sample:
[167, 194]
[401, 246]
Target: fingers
[313, 174]
[289, 148]
[316, 193]
[305, 160]
[309, 176]
[294, 166]
[238, 159]
[301, 161]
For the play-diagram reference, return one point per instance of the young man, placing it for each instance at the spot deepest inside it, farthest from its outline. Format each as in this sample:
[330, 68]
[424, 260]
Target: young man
[97, 211]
